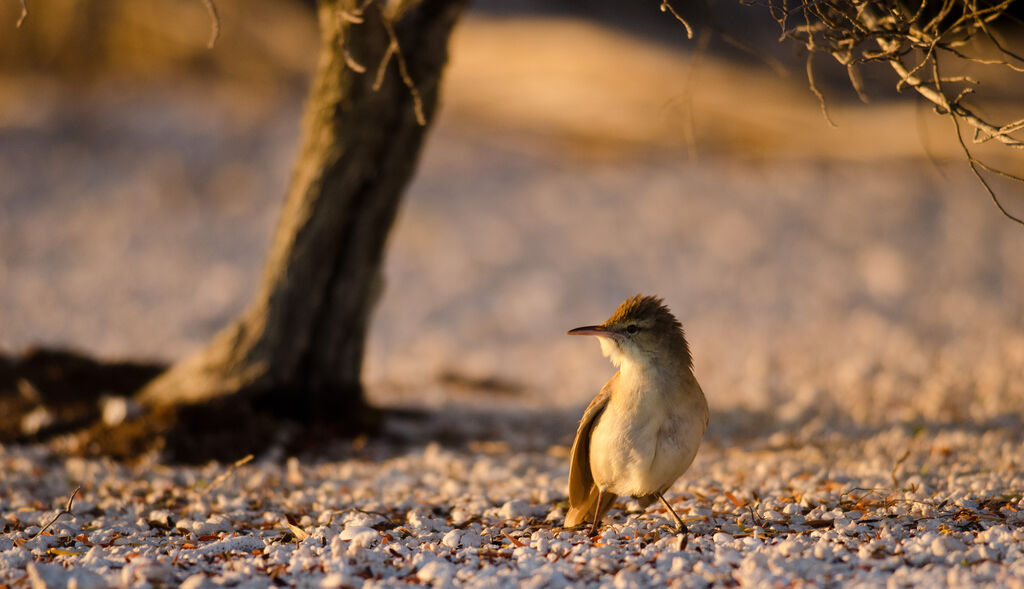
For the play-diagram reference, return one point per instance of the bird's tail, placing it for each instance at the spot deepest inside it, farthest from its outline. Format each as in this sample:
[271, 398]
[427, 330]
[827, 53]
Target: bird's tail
[584, 512]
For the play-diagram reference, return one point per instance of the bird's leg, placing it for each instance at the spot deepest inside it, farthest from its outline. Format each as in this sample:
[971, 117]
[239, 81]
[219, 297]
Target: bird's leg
[680, 526]
[597, 513]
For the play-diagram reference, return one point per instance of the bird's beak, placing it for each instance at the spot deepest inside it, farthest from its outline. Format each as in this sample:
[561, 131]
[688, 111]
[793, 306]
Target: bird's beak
[598, 330]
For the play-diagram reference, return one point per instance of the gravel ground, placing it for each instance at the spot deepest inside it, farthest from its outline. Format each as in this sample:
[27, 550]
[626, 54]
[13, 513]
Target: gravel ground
[891, 508]
[856, 327]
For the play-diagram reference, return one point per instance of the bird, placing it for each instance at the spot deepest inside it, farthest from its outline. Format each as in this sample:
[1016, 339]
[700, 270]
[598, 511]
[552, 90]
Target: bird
[642, 430]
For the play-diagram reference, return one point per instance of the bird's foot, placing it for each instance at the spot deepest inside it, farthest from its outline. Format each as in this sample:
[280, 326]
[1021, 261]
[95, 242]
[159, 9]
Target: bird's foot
[682, 532]
[669, 528]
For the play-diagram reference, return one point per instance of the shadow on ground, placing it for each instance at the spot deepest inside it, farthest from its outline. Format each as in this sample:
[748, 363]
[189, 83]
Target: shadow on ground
[62, 398]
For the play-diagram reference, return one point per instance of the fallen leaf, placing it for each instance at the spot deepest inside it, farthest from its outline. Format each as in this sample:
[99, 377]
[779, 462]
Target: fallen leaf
[298, 532]
[732, 498]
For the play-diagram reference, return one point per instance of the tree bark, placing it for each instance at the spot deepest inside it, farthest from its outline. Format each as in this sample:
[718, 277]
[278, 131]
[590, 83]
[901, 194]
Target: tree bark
[298, 348]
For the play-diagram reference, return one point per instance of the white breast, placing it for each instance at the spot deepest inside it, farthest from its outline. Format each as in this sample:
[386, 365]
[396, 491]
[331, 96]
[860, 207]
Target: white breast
[649, 433]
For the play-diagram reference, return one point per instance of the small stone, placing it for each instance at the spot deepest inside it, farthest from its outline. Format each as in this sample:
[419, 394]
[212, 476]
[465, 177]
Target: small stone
[436, 572]
[44, 575]
[471, 540]
[822, 551]
[198, 581]
[361, 536]
[946, 545]
[452, 538]
[421, 522]
[515, 509]
[721, 538]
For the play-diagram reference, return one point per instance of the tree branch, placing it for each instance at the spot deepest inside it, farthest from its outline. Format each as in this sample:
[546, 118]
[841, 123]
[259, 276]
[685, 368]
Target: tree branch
[24, 14]
[938, 98]
[214, 24]
[855, 32]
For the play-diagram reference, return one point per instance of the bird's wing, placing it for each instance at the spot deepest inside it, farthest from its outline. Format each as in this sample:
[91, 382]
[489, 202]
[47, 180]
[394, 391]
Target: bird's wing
[582, 492]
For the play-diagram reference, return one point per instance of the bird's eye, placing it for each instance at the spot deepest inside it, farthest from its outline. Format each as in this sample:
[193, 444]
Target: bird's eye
[632, 329]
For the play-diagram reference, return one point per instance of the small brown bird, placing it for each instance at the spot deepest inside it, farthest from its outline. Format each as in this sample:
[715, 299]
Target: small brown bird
[642, 431]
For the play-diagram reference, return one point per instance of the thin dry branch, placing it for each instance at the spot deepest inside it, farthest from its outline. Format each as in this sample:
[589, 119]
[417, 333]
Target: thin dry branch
[975, 164]
[1001, 134]
[66, 511]
[896, 466]
[912, 36]
[665, 6]
[393, 51]
[932, 92]
[403, 69]
[214, 23]
[382, 67]
[353, 64]
[24, 14]
[983, 61]
[227, 473]
[817, 93]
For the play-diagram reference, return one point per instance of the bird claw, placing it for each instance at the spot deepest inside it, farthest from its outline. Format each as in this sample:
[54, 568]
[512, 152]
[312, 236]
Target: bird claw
[683, 533]
[684, 539]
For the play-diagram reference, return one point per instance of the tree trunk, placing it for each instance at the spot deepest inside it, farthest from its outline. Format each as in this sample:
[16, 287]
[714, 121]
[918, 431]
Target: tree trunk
[298, 348]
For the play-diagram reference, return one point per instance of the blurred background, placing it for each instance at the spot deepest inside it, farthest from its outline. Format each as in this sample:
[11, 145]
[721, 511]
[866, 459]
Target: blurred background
[853, 275]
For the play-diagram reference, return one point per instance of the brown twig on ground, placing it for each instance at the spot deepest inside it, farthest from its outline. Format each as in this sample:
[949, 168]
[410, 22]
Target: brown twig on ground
[227, 473]
[67, 510]
[896, 466]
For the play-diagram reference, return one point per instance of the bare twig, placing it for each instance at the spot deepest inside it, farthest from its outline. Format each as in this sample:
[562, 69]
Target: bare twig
[983, 61]
[214, 23]
[975, 164]
[353, 64]
[67, 510]
[896, 466]
[817, 93]
[940, 100]
[227, 473]
[24, 14]
[393, 50]
[911, 37]
[403, 68]
[352, 17]
[857, 82]
[382, 67]
[665, 6]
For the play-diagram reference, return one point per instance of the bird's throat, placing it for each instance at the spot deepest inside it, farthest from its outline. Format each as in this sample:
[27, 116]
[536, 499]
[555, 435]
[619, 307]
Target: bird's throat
[611, 350]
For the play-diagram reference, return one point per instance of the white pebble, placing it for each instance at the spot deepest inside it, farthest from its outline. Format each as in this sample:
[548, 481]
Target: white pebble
[437, 572]
[452, 538]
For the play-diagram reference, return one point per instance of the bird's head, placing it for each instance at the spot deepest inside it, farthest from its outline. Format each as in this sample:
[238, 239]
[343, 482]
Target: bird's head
[641, 331]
